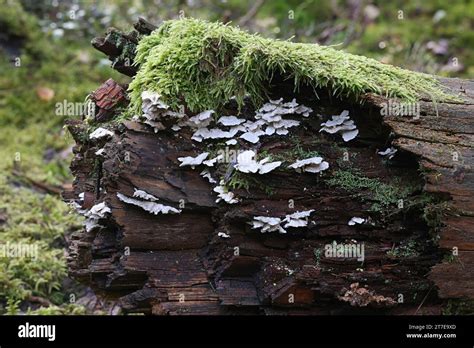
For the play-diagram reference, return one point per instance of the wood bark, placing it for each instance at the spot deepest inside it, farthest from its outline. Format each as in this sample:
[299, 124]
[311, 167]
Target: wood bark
[177, 264]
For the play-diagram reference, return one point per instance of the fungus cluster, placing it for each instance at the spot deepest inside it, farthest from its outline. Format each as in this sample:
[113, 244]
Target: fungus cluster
[100, 133]
[310, 165]
[247, 164]
[157, 114]
[93, 215]
[147, 202]
[388, 153]
[224, 194]
[272, 224]
[341, 124]
[356, 220]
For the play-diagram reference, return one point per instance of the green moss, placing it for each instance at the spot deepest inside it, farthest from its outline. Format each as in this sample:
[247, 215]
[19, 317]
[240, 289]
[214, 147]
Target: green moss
[405, 249]
[204, 64]
[459, 307]
[383, 195]
[240, 180]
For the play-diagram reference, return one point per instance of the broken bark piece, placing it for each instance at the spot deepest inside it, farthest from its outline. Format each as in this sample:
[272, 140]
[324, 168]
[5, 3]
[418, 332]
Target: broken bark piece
[108, 98]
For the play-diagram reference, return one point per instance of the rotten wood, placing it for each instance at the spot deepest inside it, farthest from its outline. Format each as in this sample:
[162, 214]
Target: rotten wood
[177, 264]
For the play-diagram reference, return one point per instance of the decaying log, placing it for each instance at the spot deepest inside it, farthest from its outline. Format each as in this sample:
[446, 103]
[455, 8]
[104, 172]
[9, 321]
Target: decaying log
[179, 264]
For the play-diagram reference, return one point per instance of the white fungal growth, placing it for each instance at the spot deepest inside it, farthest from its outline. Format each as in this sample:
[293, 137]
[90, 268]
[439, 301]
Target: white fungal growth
[272, 224]
[206, 174]
[268, 121]
[298, 219]
[201, 120]
[341, 124]
[151, 207]
[267, 224]
[214, 133]
[193, 161]
[211, 162]
[389, 152]
[230, 121]
[155, 111]
[224, 194]
[311, 165]
[247, 164]
[223, 235]
[144, 195]
[100, 152]
[252, 137]
[356, 220]
[97, 212]
[100, 133]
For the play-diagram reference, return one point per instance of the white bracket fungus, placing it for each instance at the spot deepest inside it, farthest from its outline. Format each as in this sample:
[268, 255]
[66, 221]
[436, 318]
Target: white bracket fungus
[247, 164]
[311, 165]
[267, 224]
[93, 216]
[298, 219]
[271, 224]
[155, 110]
[151, 207]
[201, 120]
[341, 124]
[230, 121]
[356, 220]
[100, 152]
[268, 121]
[144, 195]
[193, 161]
[389, 153]
[225, 195]
[214, 133]
[206, 174]
[211, 162]
[100, 133]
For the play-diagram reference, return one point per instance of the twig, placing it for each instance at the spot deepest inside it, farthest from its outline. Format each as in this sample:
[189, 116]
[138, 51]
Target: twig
[251, 13]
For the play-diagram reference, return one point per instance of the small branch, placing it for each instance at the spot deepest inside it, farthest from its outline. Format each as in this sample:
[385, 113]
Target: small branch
[251, 13]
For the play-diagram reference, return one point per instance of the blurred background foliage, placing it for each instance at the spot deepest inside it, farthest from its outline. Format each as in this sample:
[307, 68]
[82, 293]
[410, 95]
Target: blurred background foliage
[46, 58]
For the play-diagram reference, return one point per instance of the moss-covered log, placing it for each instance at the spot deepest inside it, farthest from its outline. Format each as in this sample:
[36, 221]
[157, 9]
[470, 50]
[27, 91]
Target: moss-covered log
[414, 208]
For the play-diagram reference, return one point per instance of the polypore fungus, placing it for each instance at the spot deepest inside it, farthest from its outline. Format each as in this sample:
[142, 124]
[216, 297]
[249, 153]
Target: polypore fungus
[225, 195]
[93, 216]
[311, 165]
[100, 133]
[193, 161]
[247, 164]
[341, 124]
[149, 206]
[356, 220]
[389, 152]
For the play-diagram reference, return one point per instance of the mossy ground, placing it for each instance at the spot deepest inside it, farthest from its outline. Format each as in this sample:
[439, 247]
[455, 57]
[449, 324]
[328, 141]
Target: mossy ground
[204, 64]
[34, 145]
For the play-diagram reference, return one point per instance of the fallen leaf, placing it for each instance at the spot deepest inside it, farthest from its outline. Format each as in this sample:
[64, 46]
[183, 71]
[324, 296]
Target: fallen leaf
[45, 93]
